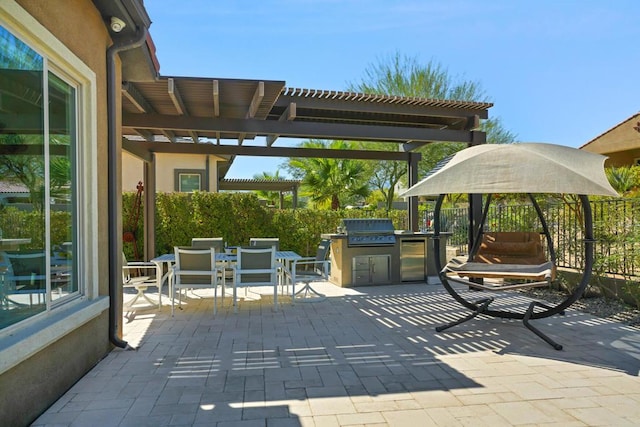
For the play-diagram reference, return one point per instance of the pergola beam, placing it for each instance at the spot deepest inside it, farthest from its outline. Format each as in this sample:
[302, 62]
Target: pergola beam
[298, 129]
[252, 150]
[170, 135]
[137, 150]
[288, 114]
[146, 134]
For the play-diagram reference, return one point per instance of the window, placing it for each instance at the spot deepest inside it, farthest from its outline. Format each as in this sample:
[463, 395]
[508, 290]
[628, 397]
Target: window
[39, 269]
[190, 180]
[636, 161]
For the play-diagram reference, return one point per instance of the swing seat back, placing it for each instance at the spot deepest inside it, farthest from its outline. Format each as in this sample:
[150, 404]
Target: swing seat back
[518, 247]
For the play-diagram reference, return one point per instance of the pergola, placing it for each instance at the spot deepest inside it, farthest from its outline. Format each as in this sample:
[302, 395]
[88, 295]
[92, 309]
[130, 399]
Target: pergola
[280, 185]
[219, 117]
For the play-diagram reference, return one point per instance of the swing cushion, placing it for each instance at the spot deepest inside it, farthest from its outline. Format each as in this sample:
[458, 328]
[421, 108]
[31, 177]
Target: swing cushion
[523, 248]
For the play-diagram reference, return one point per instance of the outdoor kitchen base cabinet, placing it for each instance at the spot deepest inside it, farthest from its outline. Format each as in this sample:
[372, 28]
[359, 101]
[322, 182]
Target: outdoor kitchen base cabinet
[371, 269]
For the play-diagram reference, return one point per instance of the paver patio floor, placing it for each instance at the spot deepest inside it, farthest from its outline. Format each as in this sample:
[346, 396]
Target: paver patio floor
[365, 356]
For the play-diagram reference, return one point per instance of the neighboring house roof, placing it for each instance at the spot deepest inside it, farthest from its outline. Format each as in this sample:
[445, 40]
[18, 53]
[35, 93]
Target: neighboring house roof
[13, 188]
[259, 184]
[621, 137]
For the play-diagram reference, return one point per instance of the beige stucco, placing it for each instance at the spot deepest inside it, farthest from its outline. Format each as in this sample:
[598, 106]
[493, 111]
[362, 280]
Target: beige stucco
[621, 143]
[47, 372]
[166, 165]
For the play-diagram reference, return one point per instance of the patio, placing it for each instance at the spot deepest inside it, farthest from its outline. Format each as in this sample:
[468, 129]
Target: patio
[363, 356]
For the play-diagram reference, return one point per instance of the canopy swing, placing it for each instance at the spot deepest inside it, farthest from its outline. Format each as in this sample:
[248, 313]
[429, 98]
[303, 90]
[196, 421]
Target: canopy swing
[514, 168]
[509, 256]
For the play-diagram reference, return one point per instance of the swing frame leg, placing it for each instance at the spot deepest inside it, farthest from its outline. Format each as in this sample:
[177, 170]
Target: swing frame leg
[527, 317]
[481, 307]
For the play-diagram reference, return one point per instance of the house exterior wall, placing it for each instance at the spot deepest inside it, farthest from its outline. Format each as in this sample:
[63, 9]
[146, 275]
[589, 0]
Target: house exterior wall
[132, 171]
[166, 166]
[625, 158]
[65, 352]
[620, 143]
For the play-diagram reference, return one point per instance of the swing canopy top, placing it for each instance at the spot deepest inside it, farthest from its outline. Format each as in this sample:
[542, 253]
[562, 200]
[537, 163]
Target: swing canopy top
[517, 168]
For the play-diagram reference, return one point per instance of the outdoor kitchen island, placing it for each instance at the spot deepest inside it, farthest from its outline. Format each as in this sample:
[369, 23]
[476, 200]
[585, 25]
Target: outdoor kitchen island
[370, 252]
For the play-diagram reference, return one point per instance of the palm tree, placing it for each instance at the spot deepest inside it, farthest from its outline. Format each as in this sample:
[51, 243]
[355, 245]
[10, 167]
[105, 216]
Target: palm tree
[271, 197]
[330, 182]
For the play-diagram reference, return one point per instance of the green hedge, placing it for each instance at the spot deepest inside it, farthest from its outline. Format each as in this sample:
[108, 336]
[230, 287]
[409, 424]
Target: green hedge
[236, 217]
[17, 223]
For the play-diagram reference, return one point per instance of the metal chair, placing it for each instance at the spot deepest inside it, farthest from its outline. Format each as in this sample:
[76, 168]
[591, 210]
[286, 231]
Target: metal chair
[218, 244]
[140, 275]
[194, 269]
[255, 266]
[310, 269]
[265, 241]
[208, 242]
[25, 275]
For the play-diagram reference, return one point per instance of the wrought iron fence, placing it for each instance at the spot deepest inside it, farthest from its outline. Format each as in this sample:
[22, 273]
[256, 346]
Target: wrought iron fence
[616, 230]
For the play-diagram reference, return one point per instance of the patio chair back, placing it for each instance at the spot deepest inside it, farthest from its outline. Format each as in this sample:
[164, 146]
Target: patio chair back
[26, 274]
[265, 241]
[255, 266]
[322, 253]
[208, 242]
[194, 269]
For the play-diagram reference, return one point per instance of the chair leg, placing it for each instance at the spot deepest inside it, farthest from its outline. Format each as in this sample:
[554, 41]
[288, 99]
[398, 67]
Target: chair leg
[305, 291]
[535, 330]
[275, 296]
[235, 294]
[481, 307]
[215, 300]
[173, 297]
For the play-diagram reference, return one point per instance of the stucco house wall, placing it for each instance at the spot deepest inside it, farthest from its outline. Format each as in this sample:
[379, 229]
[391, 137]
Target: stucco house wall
[72, 339]
[621, 143]
[167, 166]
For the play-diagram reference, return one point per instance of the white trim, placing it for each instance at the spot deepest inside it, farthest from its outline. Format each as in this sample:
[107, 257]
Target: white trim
[28, 341]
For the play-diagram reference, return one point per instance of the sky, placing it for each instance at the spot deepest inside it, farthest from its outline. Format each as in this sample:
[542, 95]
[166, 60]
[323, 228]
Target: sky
[557, 71]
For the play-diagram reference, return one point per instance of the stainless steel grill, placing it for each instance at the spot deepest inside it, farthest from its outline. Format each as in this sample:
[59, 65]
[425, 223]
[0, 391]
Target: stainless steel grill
[369, 232]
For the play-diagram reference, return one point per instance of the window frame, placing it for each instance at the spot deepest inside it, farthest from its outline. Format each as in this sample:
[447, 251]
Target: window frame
[177, 173]
[25, 338]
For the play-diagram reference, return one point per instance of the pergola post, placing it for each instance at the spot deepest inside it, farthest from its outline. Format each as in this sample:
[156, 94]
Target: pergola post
[149, 211]
[294, 197]
[412, 174]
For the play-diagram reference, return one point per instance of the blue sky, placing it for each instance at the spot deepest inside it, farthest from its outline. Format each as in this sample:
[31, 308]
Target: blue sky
[557, 71]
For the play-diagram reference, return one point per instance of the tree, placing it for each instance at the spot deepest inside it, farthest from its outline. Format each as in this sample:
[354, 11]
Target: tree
[28, 169]
[401, 75]
[384, 174]
[327, 181]
[625, 179]
[272, 197]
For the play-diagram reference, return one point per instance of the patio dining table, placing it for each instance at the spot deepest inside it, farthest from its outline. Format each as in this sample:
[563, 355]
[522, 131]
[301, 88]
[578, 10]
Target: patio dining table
[162, 277]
